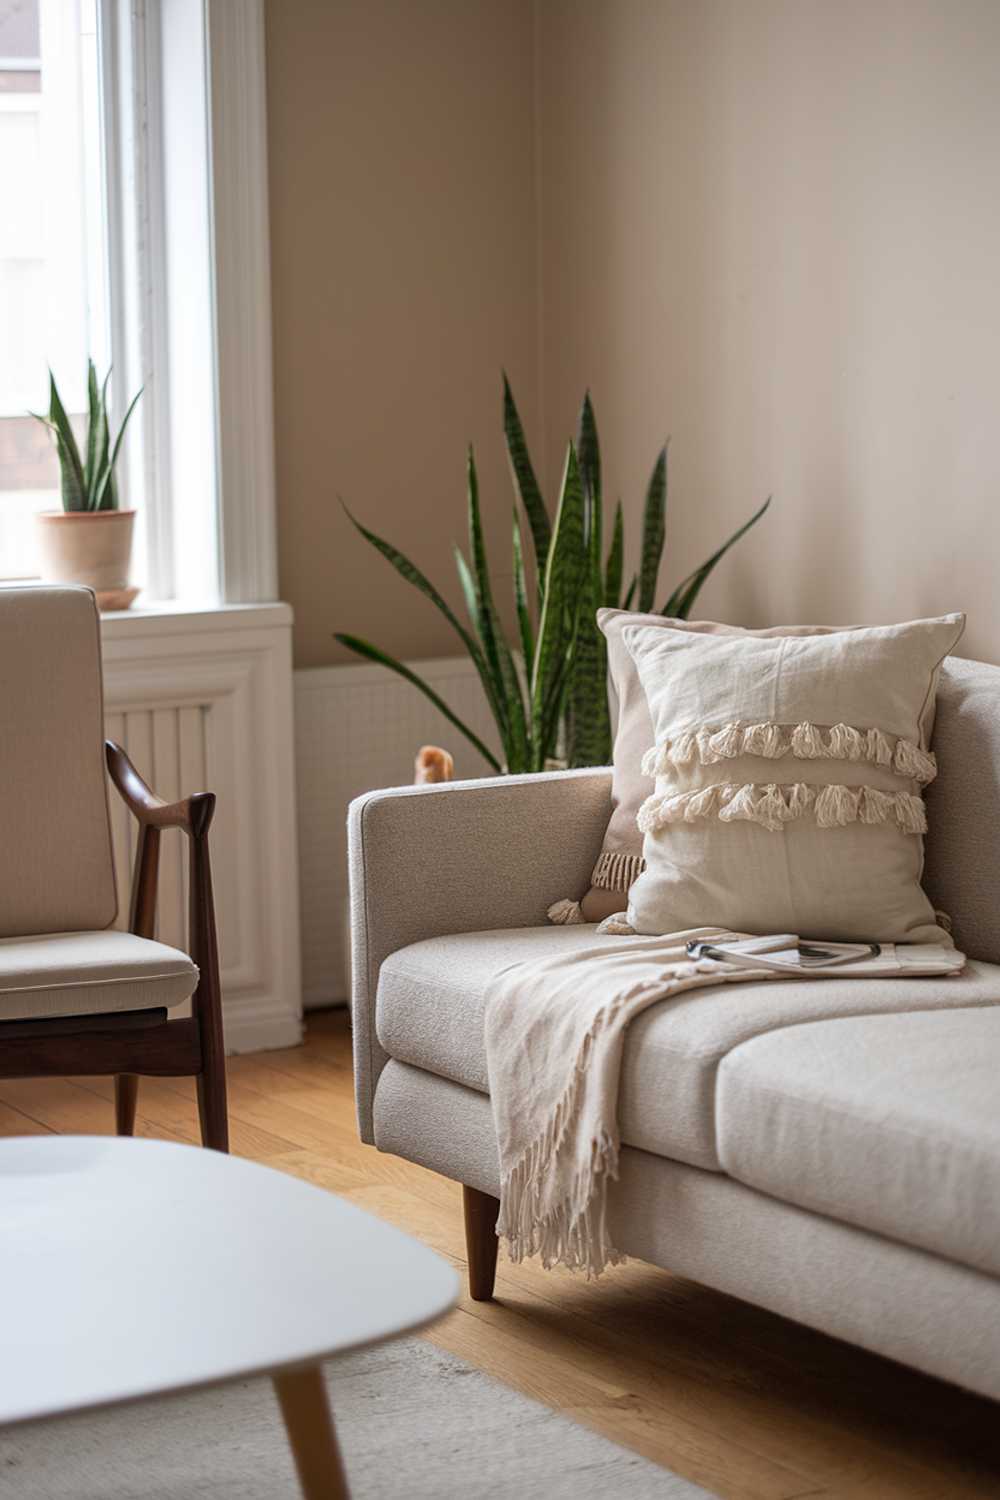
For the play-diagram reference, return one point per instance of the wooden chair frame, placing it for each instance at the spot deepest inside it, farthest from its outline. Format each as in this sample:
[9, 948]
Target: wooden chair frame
[131, 1044]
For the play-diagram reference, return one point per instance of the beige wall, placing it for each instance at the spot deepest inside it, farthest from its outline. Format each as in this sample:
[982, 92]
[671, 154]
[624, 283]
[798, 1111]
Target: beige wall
[770, 228]
[404, 250]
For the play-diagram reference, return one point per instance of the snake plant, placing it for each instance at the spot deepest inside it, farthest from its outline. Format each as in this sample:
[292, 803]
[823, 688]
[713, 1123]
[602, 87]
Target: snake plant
[88, 482]
[548, 693]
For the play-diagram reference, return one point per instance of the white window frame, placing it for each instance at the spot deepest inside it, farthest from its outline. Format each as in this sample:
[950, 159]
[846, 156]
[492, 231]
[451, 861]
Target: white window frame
[219, 542]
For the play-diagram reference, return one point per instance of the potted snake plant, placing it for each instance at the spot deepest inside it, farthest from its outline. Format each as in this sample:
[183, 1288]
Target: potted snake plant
[547, 691]
[89, 541]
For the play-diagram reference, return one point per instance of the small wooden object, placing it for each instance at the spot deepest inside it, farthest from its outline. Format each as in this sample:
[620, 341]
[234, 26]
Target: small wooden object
[432, 765]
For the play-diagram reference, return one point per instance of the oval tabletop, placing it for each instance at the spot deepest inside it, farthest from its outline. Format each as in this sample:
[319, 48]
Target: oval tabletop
[134, 1267]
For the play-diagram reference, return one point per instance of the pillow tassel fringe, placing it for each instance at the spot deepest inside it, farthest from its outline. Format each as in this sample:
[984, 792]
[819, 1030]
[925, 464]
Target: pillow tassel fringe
[805, 741]
[772, 806]
[565, 913]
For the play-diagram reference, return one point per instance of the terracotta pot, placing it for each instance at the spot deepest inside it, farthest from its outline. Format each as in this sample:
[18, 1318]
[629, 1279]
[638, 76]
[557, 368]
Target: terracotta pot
[93, 547]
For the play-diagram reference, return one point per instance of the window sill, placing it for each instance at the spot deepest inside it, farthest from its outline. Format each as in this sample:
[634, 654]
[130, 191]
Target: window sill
[175, 617]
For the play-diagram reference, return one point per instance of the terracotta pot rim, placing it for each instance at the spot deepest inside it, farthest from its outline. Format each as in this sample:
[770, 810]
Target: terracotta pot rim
[82, 515]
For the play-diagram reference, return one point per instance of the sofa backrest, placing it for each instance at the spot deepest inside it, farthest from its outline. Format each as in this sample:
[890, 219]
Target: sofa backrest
[56, 869]
[962, 870]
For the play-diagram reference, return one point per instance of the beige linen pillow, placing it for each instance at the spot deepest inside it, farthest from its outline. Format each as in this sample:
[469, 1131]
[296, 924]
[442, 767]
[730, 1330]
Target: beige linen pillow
[620, 859]
[788, 776]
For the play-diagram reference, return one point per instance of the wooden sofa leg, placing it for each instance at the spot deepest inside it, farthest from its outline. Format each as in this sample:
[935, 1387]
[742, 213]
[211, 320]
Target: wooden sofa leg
[481, 1242]
[126, 1096]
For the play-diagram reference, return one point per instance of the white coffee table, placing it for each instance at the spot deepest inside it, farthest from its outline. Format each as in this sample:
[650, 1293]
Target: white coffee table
[131, 1268]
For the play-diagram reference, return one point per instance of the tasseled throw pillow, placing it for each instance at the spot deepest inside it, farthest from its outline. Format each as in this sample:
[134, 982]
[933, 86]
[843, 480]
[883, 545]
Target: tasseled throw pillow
[787, 774]
[620, 860]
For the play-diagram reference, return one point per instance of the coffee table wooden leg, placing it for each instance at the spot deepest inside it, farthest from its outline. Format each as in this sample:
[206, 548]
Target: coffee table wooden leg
[309, 1424]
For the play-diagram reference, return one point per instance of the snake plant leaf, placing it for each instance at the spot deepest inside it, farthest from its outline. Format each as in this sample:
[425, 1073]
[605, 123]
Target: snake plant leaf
[467, 585]
[616, 558]
[654, 522]
[588, 450]
[74, 495]
[491, 684]
[94, 413]
[491, 633]
[372, 653]
[525, 482]
[524, 624]
[682, 599]
[588, 727]
[412, 574]
[589, 722]
[629, 599]
[107, 495]
[103, 443]
[560, 600]
[494, 681]
[554, 709]
[482, 593]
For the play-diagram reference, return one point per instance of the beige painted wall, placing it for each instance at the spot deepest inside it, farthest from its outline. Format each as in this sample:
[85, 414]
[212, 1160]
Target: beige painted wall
[772, 229]
[404, 252]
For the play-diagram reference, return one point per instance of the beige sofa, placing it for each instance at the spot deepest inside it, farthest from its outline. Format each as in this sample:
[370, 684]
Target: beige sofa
[829, 1149]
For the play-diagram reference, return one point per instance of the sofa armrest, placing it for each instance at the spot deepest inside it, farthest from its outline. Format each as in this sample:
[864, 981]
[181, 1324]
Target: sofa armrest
[463, 856]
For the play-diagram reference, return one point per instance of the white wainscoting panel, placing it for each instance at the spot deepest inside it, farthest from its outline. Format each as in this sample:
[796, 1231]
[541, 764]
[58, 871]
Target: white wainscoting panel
[203, 701]
[357, 728]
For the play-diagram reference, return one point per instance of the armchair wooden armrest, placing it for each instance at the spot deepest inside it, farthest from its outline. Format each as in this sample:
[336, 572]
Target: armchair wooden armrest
[193, 815]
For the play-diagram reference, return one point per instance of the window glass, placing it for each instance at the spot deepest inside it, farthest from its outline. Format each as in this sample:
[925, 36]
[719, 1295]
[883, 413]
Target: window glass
[53, 295]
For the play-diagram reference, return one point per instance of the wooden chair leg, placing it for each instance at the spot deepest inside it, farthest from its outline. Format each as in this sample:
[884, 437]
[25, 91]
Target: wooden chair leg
[481, 1242]
[126, 1096]
[309, 1424]
[213, 1114]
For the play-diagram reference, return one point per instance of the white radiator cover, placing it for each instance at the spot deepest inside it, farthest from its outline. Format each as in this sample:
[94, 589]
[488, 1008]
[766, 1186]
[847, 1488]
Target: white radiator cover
[203, 701]
[357, 728]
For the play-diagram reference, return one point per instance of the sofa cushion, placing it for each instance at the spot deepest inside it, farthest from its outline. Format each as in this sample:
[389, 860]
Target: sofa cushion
[88, 974]
[431, 996]
[888, 1122]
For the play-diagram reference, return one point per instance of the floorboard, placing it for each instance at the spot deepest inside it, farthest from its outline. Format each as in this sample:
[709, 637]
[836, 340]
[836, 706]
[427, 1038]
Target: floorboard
[746, 1403]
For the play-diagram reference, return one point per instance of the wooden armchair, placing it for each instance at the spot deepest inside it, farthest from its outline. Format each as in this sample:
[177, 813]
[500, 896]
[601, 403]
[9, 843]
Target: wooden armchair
[77, 996]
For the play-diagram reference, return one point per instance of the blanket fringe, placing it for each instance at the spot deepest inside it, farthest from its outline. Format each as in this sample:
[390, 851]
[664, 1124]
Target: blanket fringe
[574, 1231]
[773, 806]
[708, 745]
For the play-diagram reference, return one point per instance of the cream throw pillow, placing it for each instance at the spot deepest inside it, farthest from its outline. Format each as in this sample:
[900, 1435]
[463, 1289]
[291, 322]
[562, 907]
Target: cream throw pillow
[788, 778]
[620, 860]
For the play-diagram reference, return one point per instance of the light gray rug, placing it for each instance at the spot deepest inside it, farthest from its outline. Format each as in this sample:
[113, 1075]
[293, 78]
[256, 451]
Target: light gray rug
[413, 1422]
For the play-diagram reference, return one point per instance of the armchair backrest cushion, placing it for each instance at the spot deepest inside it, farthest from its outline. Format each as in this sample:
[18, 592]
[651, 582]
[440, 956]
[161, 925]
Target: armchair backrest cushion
[56, 864]
[962, 868]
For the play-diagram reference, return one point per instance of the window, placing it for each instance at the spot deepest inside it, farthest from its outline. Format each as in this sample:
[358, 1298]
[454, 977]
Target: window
[53, 304]
[133, 228]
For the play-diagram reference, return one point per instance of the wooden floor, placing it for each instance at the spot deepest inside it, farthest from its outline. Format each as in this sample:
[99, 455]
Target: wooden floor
[745, 1403]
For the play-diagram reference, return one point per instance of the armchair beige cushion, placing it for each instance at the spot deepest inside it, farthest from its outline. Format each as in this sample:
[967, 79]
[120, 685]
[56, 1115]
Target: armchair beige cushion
[90, 973]
[59, 955]
[56, 869]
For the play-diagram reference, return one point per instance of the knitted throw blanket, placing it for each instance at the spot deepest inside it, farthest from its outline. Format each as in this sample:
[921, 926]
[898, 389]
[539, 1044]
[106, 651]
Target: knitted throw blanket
[555, 1032]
